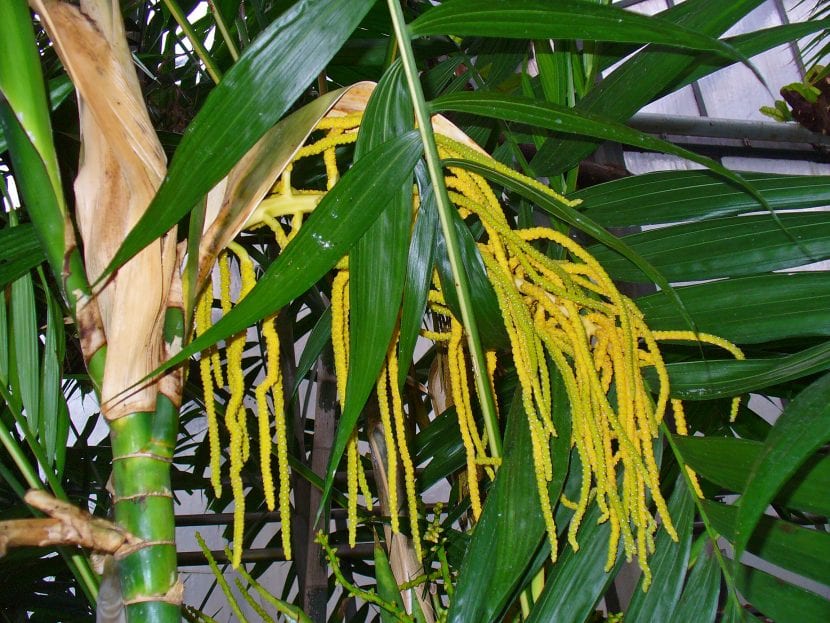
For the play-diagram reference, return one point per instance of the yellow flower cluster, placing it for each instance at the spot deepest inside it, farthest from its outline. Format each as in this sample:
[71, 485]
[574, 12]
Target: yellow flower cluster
[562, 312]
[569, 312]
[391, 410]
[283, 213]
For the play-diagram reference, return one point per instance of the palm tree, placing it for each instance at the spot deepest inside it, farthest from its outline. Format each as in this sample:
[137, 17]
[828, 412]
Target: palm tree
[412, 267]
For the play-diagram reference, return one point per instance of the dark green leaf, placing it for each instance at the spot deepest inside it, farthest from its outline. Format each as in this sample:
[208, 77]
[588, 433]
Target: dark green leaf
[419, 268]
[749, 309]
[753, 43]
[727, 462]
[20, 251]
[260, 87]
[441, 444]
[672, 196]
[578, 579]
[25, 341]
[59, 89]
[485, 305]
[699, 602]
[570, 121]
[387, 586]
[553, 72]
[45, 208]
[781, 601]
[668, 563]
[54, 418]
[800, 431]
[317, 340]
[22, 86]
[506, 535]
[564, 19]
[705, 380]
[726, 247]
[787, 545]
[377, 263]
[4, 342]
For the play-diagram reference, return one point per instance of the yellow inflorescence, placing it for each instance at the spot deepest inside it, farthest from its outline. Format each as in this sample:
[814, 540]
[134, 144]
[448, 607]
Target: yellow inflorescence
[567, 312]
[283, 213]
[204, 309]
[403, 449]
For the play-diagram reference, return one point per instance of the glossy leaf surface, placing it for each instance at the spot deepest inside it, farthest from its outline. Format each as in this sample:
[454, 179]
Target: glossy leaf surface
[727, 462]
[799, 432]
[563, 19]
[672, 196]
[724, 247]
[507, 533]
[749, 309]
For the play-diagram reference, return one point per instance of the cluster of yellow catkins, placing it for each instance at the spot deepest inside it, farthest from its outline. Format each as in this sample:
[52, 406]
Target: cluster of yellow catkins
[566, 311]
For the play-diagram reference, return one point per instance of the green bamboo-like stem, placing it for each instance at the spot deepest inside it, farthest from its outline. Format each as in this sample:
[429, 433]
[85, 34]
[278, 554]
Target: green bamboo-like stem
[142, 449]
[143, 443]
[223, 30]
[181, 19]
[488, 405]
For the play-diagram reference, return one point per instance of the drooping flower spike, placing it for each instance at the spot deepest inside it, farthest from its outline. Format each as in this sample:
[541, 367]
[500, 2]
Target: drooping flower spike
[564, 311]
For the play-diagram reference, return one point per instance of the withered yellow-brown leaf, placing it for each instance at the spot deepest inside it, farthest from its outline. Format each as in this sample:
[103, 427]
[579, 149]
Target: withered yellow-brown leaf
[122, 165]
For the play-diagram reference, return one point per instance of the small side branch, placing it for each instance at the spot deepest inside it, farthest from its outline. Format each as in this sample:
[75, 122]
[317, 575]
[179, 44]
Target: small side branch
[66, 525]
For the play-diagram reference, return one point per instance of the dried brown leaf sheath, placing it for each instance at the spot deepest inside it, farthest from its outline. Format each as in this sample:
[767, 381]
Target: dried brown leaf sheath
[122, 165]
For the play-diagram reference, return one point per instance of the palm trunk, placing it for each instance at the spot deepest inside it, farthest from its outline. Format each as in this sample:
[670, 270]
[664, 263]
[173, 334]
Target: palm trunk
[142, 454]
[142, 447]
